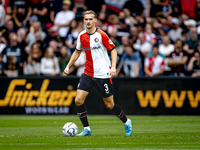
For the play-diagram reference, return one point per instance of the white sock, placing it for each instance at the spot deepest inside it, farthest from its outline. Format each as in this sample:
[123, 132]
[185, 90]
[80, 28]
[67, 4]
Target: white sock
[88, 127]
[127, 122]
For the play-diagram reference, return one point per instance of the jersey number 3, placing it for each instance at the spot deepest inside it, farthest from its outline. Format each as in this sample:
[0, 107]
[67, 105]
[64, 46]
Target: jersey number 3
[106, 88]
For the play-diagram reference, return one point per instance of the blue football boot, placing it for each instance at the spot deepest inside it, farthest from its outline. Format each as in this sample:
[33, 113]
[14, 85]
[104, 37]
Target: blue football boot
[128, 128]
[85, 132]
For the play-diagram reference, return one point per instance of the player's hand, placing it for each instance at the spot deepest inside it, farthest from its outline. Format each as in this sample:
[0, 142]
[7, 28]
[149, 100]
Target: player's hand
[66, 71]
[113, 72]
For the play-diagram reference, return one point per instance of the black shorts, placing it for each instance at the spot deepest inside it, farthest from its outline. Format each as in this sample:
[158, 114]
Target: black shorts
[103, 86]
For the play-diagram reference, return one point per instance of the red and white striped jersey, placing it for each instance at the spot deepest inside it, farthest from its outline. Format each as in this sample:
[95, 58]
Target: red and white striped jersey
[96, 48]
[154, 64]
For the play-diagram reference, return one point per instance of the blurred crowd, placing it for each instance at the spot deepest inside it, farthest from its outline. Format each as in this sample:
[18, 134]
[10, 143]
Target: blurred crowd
[152, 37]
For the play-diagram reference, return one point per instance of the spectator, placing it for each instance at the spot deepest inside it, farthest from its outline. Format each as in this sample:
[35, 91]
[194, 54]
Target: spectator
[133, 35]
[130, 62]
[38, 38]
[128, 18]
[2, 46]
[154, 65]
[13, 49]
[21, 35]
[100, 25]
[135, 7]
[36, 52]
[56, 48]
[124, 43]
[21, 10]
[142, 45]
[63, 19]
[177, 60]
[52, 36]
[33, 67]
[175, 33]
[7, 28]
[49, 63]
[30, 38]
[41, 10]
[157, 6]
[30, 22]
[95, 5]
[124, 29]
[194, 65]
[175, 8]
[184, 20]
[4, 30]
[191, 44]
[112, 22]
[101, 16]
[72, 35]
[113, 37]
[166, 48]
[12, 67]
[57, 7]
[64, 58]
[149, 35]
[2, 65]
[185, 36]
[2, 14]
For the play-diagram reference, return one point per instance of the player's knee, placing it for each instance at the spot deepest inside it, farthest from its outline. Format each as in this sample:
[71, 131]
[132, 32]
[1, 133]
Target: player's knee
[109, 106]
[78, 101]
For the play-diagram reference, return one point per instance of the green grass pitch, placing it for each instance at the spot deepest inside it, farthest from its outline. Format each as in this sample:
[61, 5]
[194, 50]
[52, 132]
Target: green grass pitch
[22, 132]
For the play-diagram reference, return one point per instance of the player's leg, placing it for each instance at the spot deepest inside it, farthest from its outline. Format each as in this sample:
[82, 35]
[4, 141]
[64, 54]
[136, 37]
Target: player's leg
[83, 90]
[105, 88]
[82, 112]
[109, 102]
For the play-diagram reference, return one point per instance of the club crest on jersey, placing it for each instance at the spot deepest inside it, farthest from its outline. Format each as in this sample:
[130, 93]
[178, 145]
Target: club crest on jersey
[110, 42]
[96, 39]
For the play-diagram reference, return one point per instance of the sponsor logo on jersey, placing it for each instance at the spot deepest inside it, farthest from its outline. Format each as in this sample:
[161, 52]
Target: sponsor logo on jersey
[110, 42]
[91, 48]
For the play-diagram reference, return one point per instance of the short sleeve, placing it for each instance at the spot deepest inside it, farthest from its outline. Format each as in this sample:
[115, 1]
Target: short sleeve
[78, 45]
[106, 41]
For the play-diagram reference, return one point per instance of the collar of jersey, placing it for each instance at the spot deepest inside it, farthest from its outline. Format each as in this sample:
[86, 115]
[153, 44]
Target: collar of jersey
[93, 33]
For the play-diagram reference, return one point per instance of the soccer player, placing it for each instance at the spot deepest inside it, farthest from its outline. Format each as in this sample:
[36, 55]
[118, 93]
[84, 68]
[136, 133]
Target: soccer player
[98, 71]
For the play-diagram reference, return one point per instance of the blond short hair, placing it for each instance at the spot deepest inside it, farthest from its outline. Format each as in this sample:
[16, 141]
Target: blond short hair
[90, 12]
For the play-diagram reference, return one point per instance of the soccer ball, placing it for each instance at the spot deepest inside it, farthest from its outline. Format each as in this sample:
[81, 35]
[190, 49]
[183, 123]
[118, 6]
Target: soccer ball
[70, 129]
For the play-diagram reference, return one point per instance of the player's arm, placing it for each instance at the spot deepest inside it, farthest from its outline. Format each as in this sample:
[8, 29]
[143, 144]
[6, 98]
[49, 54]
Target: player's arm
[72, 60]
[114, 61]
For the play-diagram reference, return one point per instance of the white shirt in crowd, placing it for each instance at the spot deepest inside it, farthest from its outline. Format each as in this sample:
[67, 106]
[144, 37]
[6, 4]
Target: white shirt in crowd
[47, 66]
[166, 50]
[63, 17]
[175, 34]
[146, 46]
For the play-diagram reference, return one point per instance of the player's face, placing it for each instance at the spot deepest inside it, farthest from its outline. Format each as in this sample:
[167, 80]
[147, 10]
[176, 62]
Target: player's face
[89, 21]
